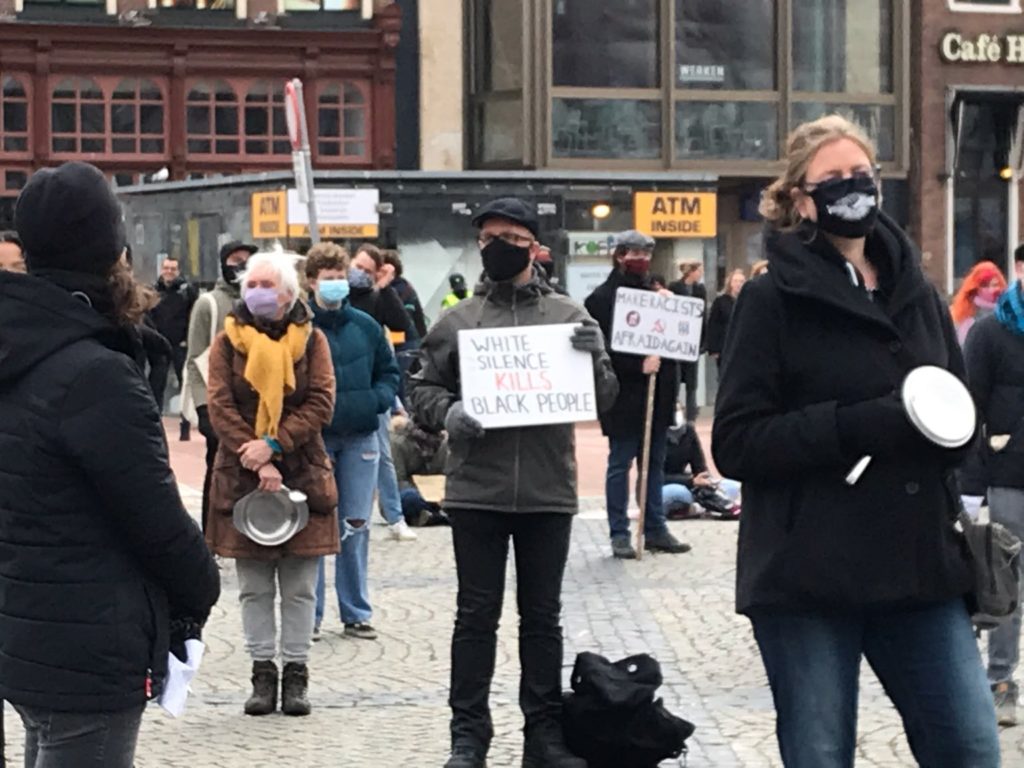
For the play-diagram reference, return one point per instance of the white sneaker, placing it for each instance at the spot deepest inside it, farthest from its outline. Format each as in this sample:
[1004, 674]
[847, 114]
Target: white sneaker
[401, 531]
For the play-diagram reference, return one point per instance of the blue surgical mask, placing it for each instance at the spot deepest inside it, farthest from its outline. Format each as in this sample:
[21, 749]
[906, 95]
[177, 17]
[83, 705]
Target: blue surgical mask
[332, 292]
[359, 278]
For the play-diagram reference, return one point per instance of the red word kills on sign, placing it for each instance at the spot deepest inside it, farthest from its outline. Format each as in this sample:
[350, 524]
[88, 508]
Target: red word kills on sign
[523, 381]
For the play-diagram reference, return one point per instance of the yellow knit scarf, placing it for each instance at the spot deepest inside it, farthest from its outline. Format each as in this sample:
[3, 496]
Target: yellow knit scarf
[269, 367]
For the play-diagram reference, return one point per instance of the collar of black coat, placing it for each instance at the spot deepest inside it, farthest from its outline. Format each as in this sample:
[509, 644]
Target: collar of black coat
[300, 315]
[804, 263]
[509, 293]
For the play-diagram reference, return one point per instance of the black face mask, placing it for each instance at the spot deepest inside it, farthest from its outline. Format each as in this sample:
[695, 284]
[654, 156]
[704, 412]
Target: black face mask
[232, 273]
[504, 261]
[847, 207]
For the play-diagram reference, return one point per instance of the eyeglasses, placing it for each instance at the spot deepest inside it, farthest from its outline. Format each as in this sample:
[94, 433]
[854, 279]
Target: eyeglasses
[512, 238]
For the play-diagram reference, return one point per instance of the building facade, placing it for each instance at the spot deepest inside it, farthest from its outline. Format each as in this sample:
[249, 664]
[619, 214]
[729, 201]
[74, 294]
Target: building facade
[178, 89]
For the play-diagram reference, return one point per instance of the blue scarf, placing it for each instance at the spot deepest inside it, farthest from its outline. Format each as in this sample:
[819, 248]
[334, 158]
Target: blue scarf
[1010, 309]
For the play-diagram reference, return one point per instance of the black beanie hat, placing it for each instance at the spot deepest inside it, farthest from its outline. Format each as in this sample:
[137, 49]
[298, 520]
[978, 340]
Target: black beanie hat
[69, 219]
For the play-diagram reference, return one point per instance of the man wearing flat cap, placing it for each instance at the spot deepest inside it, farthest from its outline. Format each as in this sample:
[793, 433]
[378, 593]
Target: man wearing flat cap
[515, 484]
[102, 571]
[623, 424]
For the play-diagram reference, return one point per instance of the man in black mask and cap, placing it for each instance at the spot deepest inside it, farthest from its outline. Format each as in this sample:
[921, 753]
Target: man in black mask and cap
[623, 424]
[98, 557]
[515, 484]
[207, 320]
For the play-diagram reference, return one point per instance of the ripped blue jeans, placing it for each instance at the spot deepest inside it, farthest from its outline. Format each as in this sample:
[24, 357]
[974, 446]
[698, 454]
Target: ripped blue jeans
[356, 461]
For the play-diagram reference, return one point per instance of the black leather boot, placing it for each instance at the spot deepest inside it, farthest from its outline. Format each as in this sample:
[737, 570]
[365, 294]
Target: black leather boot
[264, 689]
[294, 687]
[466, 755]
[545, 748]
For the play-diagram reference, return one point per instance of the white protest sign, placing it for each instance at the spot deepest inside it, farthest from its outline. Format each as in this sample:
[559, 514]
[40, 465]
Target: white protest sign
[527, 376]
[647, 323]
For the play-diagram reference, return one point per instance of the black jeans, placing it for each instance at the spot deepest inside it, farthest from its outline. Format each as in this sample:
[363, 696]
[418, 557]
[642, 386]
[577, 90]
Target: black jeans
[212, 443]
[160, 369]
[481, 541]
[690, 373]
[82, 740]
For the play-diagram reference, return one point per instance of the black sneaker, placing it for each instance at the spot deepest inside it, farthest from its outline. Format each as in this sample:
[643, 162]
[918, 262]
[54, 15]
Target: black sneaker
[465, 756]
[361, 631]
[665, 542]
[622, 549]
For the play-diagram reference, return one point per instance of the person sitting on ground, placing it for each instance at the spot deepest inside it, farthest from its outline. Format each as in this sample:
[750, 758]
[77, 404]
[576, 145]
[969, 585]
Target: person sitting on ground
[688, 478]
[418, 452]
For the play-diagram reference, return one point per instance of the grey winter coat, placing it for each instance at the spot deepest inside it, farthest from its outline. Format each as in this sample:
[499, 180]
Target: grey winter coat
[528, 469]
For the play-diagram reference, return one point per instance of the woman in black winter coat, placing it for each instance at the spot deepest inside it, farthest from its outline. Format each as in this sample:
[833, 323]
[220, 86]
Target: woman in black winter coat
[830, 572]
[720, 315]
[98, 557]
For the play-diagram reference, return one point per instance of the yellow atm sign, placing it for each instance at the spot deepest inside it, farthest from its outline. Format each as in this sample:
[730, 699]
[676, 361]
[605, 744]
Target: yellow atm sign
[676, 214]
[270, 214]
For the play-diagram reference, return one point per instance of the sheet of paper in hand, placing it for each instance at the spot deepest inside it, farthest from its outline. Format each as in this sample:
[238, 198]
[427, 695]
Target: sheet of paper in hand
[179, 675]
[528, 376]
[646, 323]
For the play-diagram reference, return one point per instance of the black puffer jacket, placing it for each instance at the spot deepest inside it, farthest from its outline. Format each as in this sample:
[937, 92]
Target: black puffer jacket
[995, 370]
[96, 549]
[625, 419]
[811, 366]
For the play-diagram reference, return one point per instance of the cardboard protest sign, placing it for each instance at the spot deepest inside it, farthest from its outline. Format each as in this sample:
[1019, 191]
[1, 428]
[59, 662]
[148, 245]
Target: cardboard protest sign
[647, 323]
[519, 377]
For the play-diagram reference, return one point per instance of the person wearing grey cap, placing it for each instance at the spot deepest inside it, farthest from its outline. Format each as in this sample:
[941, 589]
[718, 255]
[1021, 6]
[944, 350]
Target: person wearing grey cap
[515, 484]
[623, 424]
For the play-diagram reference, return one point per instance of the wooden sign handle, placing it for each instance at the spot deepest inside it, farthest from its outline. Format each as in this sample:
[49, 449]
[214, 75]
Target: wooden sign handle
[645, 464]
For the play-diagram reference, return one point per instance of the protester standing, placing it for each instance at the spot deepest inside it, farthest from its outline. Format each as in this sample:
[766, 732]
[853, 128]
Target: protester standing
[977, 297]
[99, 555]
[12, 256]
[459, 291]
[207, 320]
[384, 306]
[624, 423]
[367, 376]
[417, 452]
[720, 315]
[691, 284]
[514, 484]
[995, 369]
[271, 393]
[830, 572]
[170, 318]
[401, 285]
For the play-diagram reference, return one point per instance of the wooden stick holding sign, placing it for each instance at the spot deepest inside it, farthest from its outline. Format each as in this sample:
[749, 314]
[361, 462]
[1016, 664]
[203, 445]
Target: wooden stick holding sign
[650, 323]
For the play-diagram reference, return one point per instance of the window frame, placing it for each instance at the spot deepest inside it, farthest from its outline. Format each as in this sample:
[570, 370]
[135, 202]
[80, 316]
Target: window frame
[959, 6]
[366, 107]
[25, 82]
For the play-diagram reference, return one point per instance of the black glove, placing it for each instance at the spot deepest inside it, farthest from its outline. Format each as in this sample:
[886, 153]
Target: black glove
[460, 425]
[877, 427]
[182, 629]
[588, 338]
[205, 428]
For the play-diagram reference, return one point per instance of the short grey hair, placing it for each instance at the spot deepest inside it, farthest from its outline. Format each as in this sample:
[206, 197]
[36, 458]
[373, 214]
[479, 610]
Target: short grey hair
[283, 264]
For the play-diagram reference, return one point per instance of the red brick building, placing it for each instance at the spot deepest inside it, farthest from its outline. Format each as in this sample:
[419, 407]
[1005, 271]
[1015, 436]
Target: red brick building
[966, 130]
[139, 86]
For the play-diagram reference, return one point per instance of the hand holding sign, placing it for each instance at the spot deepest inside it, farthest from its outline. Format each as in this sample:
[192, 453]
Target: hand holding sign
[648, 323]
[528, 376]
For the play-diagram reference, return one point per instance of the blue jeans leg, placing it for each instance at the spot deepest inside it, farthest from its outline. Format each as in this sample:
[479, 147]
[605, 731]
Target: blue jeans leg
[1006, 506]
[929, 663]
[621, 452]
[675, 495]
[654, 515]
[387, 484]
[321, 584]
[813, 664]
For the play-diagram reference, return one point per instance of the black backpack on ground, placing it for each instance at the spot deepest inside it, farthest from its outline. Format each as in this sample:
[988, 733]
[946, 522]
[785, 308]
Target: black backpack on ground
[612, 720]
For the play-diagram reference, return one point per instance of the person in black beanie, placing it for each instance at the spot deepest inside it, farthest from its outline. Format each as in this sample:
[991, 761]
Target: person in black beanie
[99, 555]
[207, 320]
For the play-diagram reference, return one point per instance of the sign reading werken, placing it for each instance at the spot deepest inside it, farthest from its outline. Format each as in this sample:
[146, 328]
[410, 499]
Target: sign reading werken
[647, 323]
[676, 214]
[528, 376]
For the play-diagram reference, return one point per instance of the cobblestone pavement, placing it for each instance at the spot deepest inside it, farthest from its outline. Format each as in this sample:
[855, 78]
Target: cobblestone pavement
[383, 703]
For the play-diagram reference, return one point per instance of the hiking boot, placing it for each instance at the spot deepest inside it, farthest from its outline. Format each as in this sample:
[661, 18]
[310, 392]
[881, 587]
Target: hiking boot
[361, 631]
[401, 531]
[622, 549]
[466, 756]
[294, 688]
[264, 689]
[545, 748]
[1004, 695]
[665, 542]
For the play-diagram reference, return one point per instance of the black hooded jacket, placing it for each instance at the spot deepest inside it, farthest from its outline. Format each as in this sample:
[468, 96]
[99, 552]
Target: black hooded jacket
[97, 552]
[812, 364]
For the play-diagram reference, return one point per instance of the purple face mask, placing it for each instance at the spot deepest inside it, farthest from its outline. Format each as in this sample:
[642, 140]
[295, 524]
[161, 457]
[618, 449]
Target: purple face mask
[262, 302]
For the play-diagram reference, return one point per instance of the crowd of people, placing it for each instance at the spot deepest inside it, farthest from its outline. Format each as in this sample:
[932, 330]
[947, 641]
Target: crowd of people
[321, 386]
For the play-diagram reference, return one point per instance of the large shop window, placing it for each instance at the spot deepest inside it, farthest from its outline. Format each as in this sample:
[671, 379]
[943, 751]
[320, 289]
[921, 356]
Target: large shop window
[212, 119]
[725, 45]
[879, 121]
[619, 128]
[499, 45]
[607, 44]
[843, 46]
[342, 122]
[14, 133]
[723, 130]
[78, 122]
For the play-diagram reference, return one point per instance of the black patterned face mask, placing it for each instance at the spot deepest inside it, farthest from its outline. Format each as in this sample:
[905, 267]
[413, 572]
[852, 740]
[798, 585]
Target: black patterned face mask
[846, 207]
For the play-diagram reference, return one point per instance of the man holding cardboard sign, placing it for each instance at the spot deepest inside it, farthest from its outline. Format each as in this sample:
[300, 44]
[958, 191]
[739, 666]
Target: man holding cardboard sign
[510, 482]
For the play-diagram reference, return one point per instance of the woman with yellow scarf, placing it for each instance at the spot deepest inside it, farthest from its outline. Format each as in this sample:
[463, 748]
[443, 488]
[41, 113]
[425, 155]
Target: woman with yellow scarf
[271, 392]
